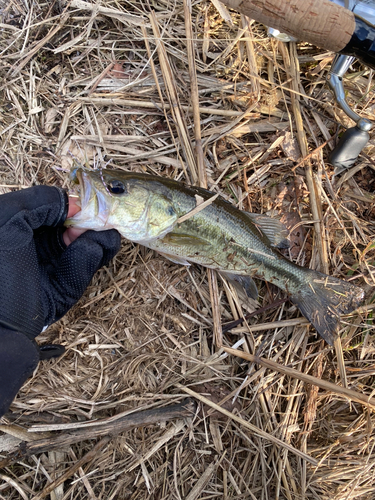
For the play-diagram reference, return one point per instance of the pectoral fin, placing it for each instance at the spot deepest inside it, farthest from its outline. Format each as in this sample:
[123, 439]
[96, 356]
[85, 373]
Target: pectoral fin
[177, 243]
[185, 240]
[275, 231]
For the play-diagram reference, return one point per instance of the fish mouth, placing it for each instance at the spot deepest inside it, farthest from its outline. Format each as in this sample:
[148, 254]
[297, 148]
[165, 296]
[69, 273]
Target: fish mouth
[91, 200]
[82, 186]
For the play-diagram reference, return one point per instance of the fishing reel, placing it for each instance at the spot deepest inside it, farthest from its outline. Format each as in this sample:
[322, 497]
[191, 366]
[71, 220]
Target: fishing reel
[355, 138]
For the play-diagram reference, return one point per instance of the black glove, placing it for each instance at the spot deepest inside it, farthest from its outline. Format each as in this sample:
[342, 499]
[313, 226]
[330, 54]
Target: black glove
[40, 277]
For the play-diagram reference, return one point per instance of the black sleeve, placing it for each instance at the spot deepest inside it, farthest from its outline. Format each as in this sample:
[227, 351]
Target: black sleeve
[19, 357]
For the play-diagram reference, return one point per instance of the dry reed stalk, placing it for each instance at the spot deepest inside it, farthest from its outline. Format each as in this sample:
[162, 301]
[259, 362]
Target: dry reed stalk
[174, 101]
[200, 206]
[91, 455]
[163, 106]
[115, 13]
[105, 101]
[245, 424]
[251, 57]
[202, 178]
[14, 70]
[293, 69]
[353, 395]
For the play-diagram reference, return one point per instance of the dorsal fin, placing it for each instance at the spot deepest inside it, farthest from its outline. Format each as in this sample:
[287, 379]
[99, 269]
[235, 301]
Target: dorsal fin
[275, 231]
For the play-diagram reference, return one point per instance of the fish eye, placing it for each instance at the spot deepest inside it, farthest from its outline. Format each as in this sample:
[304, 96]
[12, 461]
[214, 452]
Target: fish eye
[116, 187]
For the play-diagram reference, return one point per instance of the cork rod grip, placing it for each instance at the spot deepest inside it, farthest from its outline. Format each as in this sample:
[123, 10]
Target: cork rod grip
[319, 22]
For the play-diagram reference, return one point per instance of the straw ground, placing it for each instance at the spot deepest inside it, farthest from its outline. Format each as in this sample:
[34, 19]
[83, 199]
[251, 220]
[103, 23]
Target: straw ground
[173, 386]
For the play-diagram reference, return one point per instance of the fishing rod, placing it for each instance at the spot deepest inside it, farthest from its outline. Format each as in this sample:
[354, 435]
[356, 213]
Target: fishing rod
[346, 27]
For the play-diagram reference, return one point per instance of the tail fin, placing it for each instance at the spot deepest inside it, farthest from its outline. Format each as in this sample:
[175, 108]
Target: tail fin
[324, 299]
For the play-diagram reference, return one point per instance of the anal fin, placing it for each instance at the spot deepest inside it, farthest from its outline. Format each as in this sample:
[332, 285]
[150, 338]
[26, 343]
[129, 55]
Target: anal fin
[246, 282]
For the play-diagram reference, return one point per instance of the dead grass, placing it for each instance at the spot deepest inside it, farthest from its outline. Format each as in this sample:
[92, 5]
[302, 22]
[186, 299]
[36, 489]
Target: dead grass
[248, 117]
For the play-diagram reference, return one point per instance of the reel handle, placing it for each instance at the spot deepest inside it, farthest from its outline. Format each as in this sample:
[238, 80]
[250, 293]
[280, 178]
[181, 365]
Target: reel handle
[349, 147]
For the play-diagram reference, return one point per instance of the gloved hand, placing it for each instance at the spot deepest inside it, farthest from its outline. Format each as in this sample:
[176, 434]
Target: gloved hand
[41, 277]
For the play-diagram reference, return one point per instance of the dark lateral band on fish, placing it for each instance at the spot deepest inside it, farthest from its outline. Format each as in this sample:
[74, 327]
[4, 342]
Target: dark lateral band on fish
[163, 214]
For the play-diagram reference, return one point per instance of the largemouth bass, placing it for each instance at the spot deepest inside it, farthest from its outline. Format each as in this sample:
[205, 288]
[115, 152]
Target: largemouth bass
[151, 210]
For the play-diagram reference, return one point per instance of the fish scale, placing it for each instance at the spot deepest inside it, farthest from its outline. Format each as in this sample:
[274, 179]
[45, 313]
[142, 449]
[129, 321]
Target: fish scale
[235, 244]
